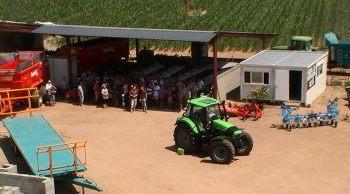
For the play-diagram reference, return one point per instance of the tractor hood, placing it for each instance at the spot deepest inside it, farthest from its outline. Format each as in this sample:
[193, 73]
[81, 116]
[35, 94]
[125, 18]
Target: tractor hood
[221, 125]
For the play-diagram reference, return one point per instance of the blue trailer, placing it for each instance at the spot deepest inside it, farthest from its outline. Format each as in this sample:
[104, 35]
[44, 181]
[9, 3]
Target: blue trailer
[46, 153]
[338, 51]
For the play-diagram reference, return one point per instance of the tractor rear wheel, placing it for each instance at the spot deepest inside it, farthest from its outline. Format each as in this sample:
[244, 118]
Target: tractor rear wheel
[185, 138]
[221, 151]
[244, 144]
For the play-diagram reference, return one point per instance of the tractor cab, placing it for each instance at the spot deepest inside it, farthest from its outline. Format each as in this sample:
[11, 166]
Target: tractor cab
[298, 43]
[301, 43]
[203, 111]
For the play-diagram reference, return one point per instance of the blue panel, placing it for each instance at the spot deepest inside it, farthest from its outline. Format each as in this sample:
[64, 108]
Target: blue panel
[28, 133]
[81, 181]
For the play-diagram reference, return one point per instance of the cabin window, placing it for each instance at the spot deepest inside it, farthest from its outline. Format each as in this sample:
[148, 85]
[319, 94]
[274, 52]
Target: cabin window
[266, 78]
[247, 77]
[319, 70]
[256, 77]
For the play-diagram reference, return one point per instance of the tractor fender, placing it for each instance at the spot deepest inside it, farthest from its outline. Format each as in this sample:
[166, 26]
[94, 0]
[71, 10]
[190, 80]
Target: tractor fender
[189, 123]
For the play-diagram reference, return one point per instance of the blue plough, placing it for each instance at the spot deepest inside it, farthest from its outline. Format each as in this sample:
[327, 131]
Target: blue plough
[311, 119]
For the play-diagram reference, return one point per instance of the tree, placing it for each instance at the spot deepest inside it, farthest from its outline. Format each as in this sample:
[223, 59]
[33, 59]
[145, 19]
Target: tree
[259, 94]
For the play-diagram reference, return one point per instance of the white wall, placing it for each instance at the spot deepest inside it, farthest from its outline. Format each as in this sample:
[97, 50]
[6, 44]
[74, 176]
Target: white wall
[320, 84]
[247, 88]
[228, 81]
[59, 68]
[28, 184]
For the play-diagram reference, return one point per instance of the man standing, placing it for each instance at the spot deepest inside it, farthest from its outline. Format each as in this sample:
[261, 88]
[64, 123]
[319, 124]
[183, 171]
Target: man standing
[124, 94]
[96, 89]
[143, 98]
[81, 93]
[50, 92]
[133, 98]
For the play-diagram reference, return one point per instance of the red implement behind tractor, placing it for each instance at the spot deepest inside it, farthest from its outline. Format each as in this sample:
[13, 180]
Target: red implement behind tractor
[244, 111]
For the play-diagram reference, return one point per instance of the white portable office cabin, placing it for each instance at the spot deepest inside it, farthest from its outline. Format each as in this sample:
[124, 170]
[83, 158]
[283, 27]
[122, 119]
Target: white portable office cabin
[298, 76]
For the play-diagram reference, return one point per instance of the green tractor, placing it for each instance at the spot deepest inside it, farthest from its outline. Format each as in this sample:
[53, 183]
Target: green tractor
[298, 43]
[204, 126]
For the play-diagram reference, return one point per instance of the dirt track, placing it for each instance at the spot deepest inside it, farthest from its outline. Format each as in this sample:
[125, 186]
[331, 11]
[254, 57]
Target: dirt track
[134, 153]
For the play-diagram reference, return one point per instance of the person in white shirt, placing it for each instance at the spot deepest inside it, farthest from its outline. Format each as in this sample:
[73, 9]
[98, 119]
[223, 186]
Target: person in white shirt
[81, 93]
[156, 89]
[125, 94]
[105, 96]
[50, 92]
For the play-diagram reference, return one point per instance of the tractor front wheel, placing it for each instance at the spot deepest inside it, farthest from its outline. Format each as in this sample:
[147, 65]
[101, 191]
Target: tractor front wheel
[244, 144]
[222, 151]
[185, 138]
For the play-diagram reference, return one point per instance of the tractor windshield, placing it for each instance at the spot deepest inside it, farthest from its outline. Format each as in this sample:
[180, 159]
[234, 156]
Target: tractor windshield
[213, 110]
[298, 45]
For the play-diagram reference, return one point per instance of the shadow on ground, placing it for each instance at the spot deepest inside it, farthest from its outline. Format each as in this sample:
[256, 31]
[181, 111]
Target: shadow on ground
[15, 157]
[12, 156]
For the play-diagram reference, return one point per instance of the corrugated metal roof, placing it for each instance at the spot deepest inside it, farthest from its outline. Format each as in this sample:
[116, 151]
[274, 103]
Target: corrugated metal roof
[115, 32]
[284, 58]
[139, 33]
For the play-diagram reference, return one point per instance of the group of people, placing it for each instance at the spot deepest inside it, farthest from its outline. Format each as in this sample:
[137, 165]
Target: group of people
[132, 93]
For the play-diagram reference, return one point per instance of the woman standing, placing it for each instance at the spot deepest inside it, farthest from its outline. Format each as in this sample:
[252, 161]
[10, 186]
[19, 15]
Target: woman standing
[105, 96]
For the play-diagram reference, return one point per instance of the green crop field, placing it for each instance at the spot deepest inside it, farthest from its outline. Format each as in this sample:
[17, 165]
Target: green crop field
[286, 17]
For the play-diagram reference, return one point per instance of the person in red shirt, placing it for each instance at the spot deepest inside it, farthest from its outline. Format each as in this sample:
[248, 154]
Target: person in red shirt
[143, 98]
[133, 97]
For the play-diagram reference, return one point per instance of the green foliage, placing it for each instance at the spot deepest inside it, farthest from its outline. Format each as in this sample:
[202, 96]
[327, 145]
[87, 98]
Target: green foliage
[57, 41]
[347, 84]
[287, 18]
[260, 93]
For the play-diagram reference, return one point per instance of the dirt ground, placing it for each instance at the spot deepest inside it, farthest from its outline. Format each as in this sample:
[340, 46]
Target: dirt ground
[134, 153]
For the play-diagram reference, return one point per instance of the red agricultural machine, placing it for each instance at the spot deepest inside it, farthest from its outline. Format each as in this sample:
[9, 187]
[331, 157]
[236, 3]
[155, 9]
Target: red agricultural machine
[91, 55]
[20, 74]
[245, 111]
